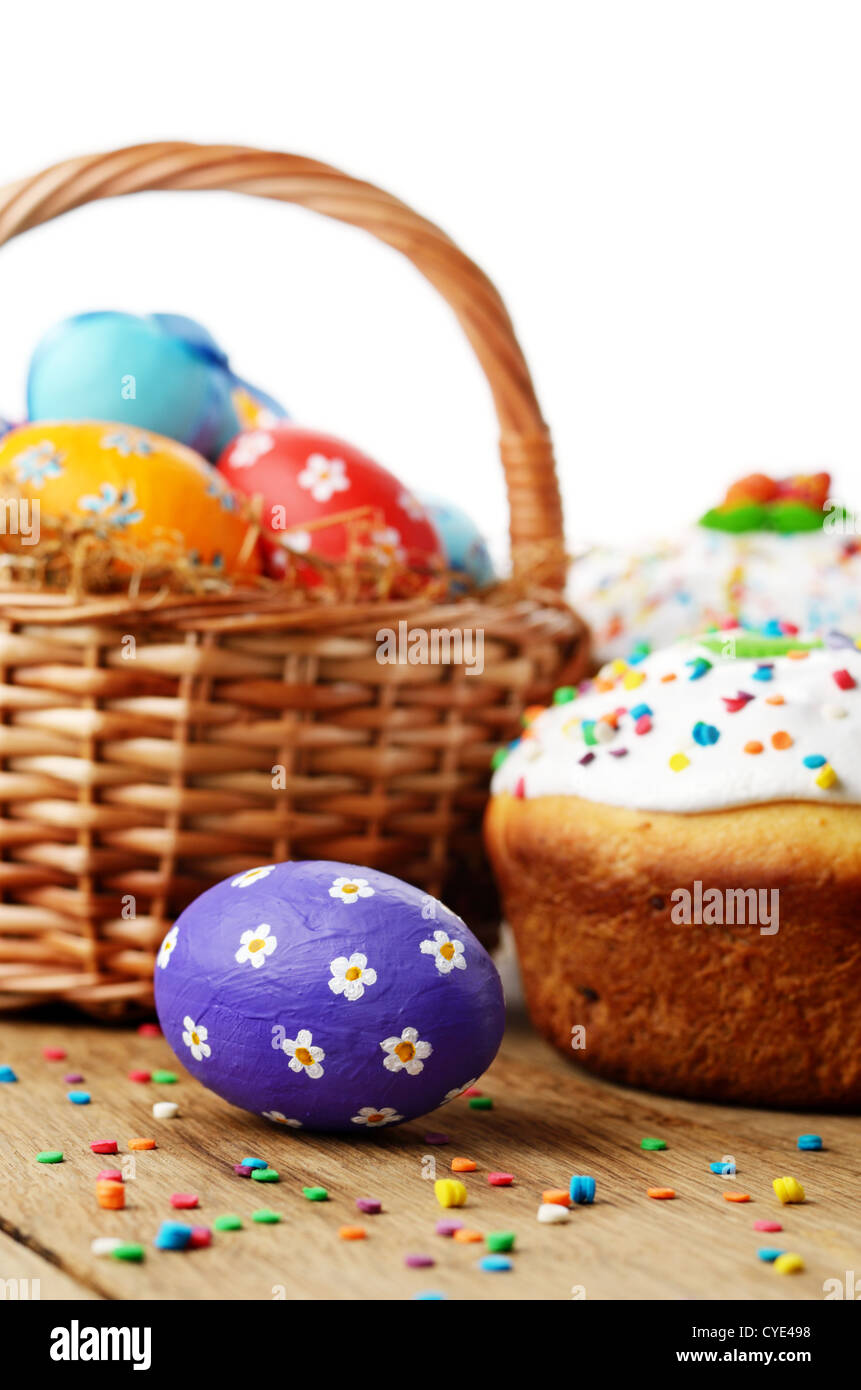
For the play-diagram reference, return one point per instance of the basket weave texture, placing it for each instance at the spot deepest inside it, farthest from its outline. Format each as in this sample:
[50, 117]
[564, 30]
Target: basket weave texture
[152, 745]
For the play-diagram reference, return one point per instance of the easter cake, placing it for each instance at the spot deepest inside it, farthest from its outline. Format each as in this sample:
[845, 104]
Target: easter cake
[679, 852]
[774, 548]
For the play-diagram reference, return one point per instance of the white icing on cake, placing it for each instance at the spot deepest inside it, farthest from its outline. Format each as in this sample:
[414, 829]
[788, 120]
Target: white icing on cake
[816, 719]
[678, 588]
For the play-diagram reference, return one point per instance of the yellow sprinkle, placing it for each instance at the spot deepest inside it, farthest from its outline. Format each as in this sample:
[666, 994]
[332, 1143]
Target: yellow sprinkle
[618, 667]
[789, 1263]
[570, 727]
[678, 762]
[632, 679]
[788, 1189]
[449, 1192]
[826, 776]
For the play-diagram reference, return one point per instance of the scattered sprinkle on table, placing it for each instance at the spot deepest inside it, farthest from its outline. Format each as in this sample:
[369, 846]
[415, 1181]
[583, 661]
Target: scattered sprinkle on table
[79, 1097]
[110, 1194]
[500, 1179]
[419, 1261]
[371, 1206]
[762, 1225]
[266, 1217]
[494, 1264]
[480, 1103]
[7, 1074]
[128, 1251]
[809, 1141]
[351, 1233]
[165, 1110]
[789, 1263]
[429, 1296]
[499, 1241]
[556, 1195]
[736, 1196]
[104, 1146]
[316, 1194]
[254, 1163]
[172, 1235]
[200, 1237]
[448, 1228]
[139, 1145]
[725, 1169]
[449, 1192]
[650, 1143]
[463, 1165]
[268, 1175]
[139, 1076]
[552, 1213]
[437, 1139]
[661, 1194]
[242, 1170]
[788, 1190]
[149, 1030]
[582, 1190]
[54, 1054]
[229, 1222]
[72, 1078]
[769, 1253]
[109, 1175]
[471, 1091]
[50, 1156]
[183, 1200]
[163, 1078]
[105, 1245]
[465, 1236]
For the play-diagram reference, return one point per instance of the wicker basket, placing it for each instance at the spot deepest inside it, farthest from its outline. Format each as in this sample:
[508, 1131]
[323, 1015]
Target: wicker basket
[127, 787]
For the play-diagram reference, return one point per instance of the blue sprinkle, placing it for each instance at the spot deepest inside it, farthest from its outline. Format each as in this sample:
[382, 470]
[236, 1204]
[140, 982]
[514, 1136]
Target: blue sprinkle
[639, 653]
[639, 710]
[699, 666]
[428, 1296]
[254, 1163]
[705, 734]
[767, 1253]
[763, 673]
[494, 1263]
[809, 1141]
[79, 1097]
[725, 1169]
[772, 628]
[582, 1190]
[172, 1235]
[7, 1074]
[814, 760]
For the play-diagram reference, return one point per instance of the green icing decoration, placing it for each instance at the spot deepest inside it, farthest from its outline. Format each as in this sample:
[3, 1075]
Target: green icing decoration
[749, 516]
[752, 645]
[786, 516]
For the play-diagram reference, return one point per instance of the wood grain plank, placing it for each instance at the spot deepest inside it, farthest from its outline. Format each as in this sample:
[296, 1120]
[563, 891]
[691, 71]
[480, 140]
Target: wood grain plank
[549, 1121]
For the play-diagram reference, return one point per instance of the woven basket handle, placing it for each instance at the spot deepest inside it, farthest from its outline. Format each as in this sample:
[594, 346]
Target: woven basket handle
[537, 544]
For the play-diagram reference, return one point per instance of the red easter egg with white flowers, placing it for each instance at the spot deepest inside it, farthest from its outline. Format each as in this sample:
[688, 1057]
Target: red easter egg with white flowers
[324, 496]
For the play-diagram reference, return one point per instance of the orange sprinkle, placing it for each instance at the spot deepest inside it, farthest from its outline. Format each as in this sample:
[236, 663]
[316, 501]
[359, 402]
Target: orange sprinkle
[463, 1165]
[661, 1193]
[141, 1144]
[736, 1196]
[556, 1196]
[754, 747]
[532, 712]
[602, 684]
[466, 1236]
[611, 719]
[111, 1195]
[798, 654]
[774, 700]
[351, 1233]
[781, 739]
[665, 680]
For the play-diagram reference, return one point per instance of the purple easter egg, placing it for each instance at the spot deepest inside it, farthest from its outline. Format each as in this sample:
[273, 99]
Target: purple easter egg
[329, 996]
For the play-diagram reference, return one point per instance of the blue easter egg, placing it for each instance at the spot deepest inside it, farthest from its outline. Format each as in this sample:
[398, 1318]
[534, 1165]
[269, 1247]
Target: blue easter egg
[465, 547]
[161, 372]
[325, 996]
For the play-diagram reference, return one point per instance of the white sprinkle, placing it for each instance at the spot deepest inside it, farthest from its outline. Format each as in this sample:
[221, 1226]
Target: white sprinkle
[834, 711]
[551, 1213]
[103, 1245]
[604, 732]
[165, 1109]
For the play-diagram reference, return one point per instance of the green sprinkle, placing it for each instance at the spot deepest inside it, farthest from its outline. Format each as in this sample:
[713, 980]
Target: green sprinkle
[164, 1078]
[230, 1222]
[50, 1156]
[131, 1252]
[498, 758]
[564, 695]
[653, 1143]
[480, 1103]
[747, 645]
[264, 1175]
[266, 1217]
[316, 1194]
[498, 1241]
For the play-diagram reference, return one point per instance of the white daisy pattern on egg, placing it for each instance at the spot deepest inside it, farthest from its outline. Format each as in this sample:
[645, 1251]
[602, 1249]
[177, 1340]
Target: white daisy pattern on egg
[256, 945]
[448, 954]
[351, 975]
[412, 506]
[195, 1038]
[375, 1119]
[303, 1055]
[167, 947]
[458, 1091]
[249, 448]
[252, 875]
[323, 477]
[387, 547]
[279, 1118]
[406, 1053]
[350, 889]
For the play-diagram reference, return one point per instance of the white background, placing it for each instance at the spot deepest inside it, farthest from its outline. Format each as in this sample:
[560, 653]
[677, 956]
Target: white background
[667, 195]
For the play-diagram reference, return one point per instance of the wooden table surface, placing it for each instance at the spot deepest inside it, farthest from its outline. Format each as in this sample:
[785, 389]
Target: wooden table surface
[549, 1120]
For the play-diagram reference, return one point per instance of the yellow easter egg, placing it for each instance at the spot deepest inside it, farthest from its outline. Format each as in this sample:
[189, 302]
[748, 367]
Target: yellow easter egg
[141, 488]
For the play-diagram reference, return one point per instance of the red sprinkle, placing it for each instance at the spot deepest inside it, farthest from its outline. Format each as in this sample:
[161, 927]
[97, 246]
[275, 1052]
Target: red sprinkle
[109, 1175]
[736, 702]
[520, 788]
[149, 1030]
[200, 1236]
[767, 1225]
[105, 1146]
[183, 1200]
[500, 1179]
[139, 1076]
[241, 1171]
[643, 725]
[53, 1054]
[844, 679]
[472, 1091]
[437, 1139]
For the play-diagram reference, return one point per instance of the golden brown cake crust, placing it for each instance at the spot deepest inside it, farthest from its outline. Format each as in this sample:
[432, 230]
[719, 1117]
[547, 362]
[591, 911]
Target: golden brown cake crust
[722, 1012]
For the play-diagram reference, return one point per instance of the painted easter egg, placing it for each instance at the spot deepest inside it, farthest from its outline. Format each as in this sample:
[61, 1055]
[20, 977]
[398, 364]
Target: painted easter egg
[465, 547]
[325, 496]
[326, 996]
[139, 487]
[160, 372]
